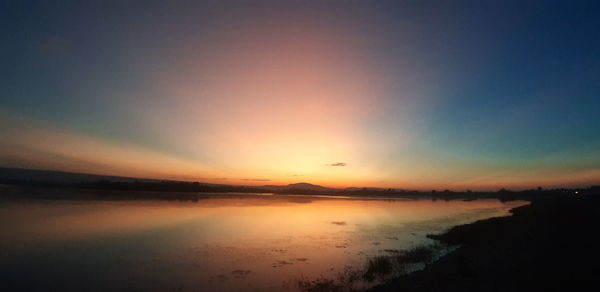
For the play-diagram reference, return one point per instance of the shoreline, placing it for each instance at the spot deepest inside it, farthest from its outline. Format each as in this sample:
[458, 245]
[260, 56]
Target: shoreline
[543, 246]
[74, 192]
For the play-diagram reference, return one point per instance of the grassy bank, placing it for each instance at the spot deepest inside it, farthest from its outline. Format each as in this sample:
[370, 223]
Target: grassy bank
[549, 245]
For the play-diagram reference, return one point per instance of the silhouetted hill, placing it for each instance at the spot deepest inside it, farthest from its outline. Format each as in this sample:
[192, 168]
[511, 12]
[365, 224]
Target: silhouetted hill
[307, 186]
[299, 188]
[61, 177]
[49, 178]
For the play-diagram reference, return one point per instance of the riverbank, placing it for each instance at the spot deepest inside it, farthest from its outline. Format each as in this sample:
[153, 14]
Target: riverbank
[548, 245]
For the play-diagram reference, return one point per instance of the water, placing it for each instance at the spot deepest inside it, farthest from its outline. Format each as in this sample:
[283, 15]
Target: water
[234, 243]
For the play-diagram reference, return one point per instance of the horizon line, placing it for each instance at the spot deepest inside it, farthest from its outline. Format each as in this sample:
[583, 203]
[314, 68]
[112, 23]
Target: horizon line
[441, 190]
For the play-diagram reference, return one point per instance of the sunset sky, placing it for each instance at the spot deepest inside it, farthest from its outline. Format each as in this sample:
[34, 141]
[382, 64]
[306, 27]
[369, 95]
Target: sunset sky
[406, 94]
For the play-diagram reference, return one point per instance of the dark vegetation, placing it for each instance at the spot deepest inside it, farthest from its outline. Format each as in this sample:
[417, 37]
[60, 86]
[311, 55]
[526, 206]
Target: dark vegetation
[549, 245]
[376, 269]
[400, 262]
[132, 188]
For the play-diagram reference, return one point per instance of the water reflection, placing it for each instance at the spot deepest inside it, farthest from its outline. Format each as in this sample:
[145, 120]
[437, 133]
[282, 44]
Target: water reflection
[217, 244]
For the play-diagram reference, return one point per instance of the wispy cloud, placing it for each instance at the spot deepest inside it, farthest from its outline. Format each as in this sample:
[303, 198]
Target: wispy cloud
[256, 179]
[337, 164]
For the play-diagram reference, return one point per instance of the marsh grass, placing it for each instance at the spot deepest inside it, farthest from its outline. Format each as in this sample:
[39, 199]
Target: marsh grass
[419, 254]
[321, 284]
[376, 269]
[348, 280]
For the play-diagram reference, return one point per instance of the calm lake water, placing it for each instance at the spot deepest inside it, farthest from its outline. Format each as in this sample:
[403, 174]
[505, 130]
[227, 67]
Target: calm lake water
[245, 243]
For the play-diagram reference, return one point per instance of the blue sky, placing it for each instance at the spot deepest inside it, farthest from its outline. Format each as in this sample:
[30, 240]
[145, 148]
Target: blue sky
[416, 94]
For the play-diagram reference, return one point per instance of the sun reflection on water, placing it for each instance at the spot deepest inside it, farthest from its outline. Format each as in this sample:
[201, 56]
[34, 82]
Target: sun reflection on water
[228, 244]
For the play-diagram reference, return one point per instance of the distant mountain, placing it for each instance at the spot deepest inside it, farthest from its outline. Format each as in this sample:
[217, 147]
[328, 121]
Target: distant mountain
[298, 187]
[307, 186]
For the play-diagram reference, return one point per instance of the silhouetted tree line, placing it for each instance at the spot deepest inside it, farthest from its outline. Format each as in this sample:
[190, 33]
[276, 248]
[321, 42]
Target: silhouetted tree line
[196, 187]
[32, 183]
[167, 186]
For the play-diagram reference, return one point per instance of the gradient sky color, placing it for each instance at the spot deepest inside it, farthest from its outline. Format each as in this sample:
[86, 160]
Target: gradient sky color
[407, 94]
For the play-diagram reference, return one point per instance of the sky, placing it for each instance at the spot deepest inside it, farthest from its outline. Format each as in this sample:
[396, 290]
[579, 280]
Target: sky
[405, 94]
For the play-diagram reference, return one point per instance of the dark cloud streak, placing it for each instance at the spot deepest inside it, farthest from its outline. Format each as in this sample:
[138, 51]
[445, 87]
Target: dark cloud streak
[337, 164]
